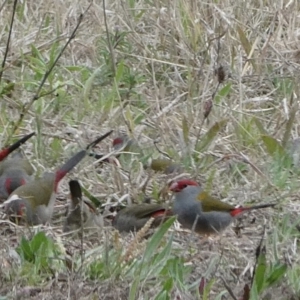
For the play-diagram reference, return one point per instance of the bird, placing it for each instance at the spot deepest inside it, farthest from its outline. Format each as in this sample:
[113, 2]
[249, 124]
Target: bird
[6, 151]
[33, 202]
[133, 218]
[122, 142]
[81, 213]
[164, 165]
[15, 170]
[197, 210]
[126, 144]
[167, 166]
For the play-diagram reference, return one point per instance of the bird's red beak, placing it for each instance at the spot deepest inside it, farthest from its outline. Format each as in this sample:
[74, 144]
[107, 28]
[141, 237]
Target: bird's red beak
[174, 187]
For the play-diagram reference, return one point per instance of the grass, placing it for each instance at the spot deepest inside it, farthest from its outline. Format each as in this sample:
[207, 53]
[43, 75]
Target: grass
[152, 75]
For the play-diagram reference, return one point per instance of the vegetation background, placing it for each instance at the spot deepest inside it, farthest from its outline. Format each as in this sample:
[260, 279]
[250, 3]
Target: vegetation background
[153, 68]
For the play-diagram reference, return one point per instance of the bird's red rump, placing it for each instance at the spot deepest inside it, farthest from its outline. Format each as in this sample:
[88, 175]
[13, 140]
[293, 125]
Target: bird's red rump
[159, 213]
[4, 153]
[58, 177]
[237, 211]
[8, 185]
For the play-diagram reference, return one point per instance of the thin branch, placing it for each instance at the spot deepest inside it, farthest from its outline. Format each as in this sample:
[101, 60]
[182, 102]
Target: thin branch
[160, 151]
[113, 62]
[259, 250]
[8, 39]
[25, 107]
[3, 4]
[229, 290]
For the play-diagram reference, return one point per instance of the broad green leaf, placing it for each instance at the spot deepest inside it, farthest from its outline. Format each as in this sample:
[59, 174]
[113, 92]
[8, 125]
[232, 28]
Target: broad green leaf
[260, 271]
[129, 119]
[133, 289]
[24, 250]
[37, 65]
[273, 146]
[260, 126]
[155, 240]
[207, 289]
[209, 136]
[222, 93]
[120, 71]
[276, 274]
[244, 41]
[7, 89]
[164, 295]
[53, 53]
[36, 53]
[254, 295]
[185, 130]
[177, 270]
[76, 68]
[164, 253]
[89, 83]
[168, 284]
[37, 241]
[94, 200]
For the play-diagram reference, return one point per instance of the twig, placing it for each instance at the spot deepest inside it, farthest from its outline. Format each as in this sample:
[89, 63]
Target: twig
[52, 91]
[229, 290]
[81, 231]
[113, 62]
[37, 95]
[8, 39]
[259, 249]
[160, 151]
[3, 4]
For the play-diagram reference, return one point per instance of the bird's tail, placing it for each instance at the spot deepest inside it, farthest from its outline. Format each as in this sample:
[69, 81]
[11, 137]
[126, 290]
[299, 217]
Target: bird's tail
[16, 145]
[75, 190]
[238, 210]
[73, 161]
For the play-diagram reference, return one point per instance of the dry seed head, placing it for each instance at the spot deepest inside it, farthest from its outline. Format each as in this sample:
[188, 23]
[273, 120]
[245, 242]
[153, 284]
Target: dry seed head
[207, 108]
[220, 73]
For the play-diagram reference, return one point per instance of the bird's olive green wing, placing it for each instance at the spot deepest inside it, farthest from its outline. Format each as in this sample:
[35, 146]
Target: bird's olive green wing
[163, 165]
[37, 192]
[142, 210]
[210, 203]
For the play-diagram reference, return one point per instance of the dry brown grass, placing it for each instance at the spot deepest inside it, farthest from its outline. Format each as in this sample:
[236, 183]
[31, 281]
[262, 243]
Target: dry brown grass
[171, 49]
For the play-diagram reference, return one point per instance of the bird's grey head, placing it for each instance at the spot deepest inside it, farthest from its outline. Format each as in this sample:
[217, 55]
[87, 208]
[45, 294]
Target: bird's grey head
[185, 203]
[185, 187]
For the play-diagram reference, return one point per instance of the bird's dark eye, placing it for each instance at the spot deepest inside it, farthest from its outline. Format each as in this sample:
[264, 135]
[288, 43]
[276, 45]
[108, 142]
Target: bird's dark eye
[184, 186]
